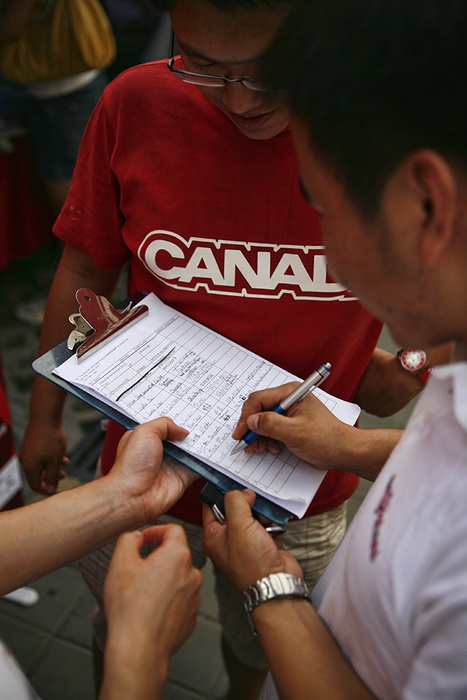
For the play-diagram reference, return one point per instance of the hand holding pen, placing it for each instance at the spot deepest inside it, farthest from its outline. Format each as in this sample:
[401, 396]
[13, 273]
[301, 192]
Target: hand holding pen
[314, 380]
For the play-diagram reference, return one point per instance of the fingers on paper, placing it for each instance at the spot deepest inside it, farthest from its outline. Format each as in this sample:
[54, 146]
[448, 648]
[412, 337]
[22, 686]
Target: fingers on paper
[162, 428]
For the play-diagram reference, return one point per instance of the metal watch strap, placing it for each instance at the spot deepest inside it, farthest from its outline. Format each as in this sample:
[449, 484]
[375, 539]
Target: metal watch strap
[272, 587]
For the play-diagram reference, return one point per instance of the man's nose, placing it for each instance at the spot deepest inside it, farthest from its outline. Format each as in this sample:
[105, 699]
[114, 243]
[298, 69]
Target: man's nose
[239, 99]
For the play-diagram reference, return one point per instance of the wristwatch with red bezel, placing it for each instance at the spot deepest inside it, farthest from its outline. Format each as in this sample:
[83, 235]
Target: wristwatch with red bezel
[415, 362]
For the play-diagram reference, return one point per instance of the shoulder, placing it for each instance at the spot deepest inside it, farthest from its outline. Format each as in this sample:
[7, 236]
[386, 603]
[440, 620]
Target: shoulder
[148, 96]
[139, 75]
[150, 83]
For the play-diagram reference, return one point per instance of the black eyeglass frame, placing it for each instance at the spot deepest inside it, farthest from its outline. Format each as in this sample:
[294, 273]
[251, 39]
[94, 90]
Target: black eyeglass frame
[185, 75]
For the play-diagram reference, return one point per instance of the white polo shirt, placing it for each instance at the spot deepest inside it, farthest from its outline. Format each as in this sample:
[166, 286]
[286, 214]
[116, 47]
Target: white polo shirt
[395, 593]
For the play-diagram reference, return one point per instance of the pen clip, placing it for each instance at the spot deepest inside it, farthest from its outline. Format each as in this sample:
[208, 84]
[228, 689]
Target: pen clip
[275, 530]
[310, 391]
[218, 514]
[214, 497]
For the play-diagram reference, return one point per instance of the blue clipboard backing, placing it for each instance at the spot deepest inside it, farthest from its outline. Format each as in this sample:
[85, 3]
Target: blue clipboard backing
[45, 366]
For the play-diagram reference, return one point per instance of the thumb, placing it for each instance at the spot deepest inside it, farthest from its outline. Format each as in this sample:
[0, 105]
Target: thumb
[238, 506]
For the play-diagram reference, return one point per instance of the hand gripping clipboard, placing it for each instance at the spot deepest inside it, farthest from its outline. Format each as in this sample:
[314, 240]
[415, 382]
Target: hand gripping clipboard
[98, 321]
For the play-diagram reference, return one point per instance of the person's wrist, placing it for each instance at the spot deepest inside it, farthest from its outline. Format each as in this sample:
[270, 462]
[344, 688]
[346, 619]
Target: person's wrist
[47, 401]
[273, 587]
[279, 611]
[46, 414]
[132, 670]
[251, 568]
[350, 443]
[126, 506]
[415, 363]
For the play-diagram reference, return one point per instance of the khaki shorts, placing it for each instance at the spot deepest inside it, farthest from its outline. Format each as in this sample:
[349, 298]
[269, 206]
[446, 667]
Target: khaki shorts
[312, 541]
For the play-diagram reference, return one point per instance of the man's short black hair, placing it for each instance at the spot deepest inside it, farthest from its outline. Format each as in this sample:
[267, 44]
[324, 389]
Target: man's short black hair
[374, 80]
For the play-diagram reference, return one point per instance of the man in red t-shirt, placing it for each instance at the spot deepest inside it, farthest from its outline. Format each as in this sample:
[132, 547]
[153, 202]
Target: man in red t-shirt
[187, 172]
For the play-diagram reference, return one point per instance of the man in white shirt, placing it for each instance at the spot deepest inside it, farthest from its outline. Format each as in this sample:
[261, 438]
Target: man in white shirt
[377, 90]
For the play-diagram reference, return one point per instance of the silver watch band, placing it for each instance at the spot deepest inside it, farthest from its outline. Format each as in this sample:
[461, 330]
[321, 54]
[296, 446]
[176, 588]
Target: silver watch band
[280, 585]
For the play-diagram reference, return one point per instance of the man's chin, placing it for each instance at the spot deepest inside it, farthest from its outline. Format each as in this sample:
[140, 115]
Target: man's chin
[263, 127]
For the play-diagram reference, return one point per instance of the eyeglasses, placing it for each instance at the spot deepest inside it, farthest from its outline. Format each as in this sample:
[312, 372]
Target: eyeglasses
[215, 81]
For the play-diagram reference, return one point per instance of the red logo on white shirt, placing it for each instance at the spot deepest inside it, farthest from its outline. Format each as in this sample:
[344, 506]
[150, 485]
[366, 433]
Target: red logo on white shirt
[380, 512]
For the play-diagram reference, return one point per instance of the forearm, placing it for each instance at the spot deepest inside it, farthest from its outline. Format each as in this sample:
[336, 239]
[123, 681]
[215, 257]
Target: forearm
[386, 388]
[133, 669]
[366, 451]
[304, 658]
[48, 534]
[75, 270]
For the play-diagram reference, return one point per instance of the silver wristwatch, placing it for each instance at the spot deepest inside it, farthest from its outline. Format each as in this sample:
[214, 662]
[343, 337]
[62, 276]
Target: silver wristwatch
[279, 585]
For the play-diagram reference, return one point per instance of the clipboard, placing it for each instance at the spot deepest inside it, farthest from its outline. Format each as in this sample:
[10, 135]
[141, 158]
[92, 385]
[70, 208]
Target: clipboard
[97, 323]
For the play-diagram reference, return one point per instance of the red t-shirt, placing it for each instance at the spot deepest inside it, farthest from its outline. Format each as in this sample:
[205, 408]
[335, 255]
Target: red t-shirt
[214, 223]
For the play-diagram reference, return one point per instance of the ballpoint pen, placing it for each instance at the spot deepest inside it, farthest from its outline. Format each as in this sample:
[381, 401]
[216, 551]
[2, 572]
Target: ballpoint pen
[314, 380]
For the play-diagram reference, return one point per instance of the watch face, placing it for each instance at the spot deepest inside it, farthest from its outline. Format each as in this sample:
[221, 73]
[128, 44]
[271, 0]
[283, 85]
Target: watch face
[413, 360]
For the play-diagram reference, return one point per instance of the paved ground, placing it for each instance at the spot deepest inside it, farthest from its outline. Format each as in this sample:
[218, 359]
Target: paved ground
[52, 639]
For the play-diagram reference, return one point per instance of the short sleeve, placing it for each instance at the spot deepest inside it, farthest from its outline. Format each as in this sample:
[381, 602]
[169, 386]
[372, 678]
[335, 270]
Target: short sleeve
[91, 219]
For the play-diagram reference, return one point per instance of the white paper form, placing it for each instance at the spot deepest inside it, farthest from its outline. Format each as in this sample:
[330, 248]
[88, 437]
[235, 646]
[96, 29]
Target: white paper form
[169, 365]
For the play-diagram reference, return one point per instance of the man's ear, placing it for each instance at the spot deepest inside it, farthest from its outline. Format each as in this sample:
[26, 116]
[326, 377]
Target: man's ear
[434, 182]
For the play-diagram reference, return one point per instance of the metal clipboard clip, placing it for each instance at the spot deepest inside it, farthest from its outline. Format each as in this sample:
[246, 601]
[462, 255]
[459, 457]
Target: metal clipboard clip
[97, 321]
